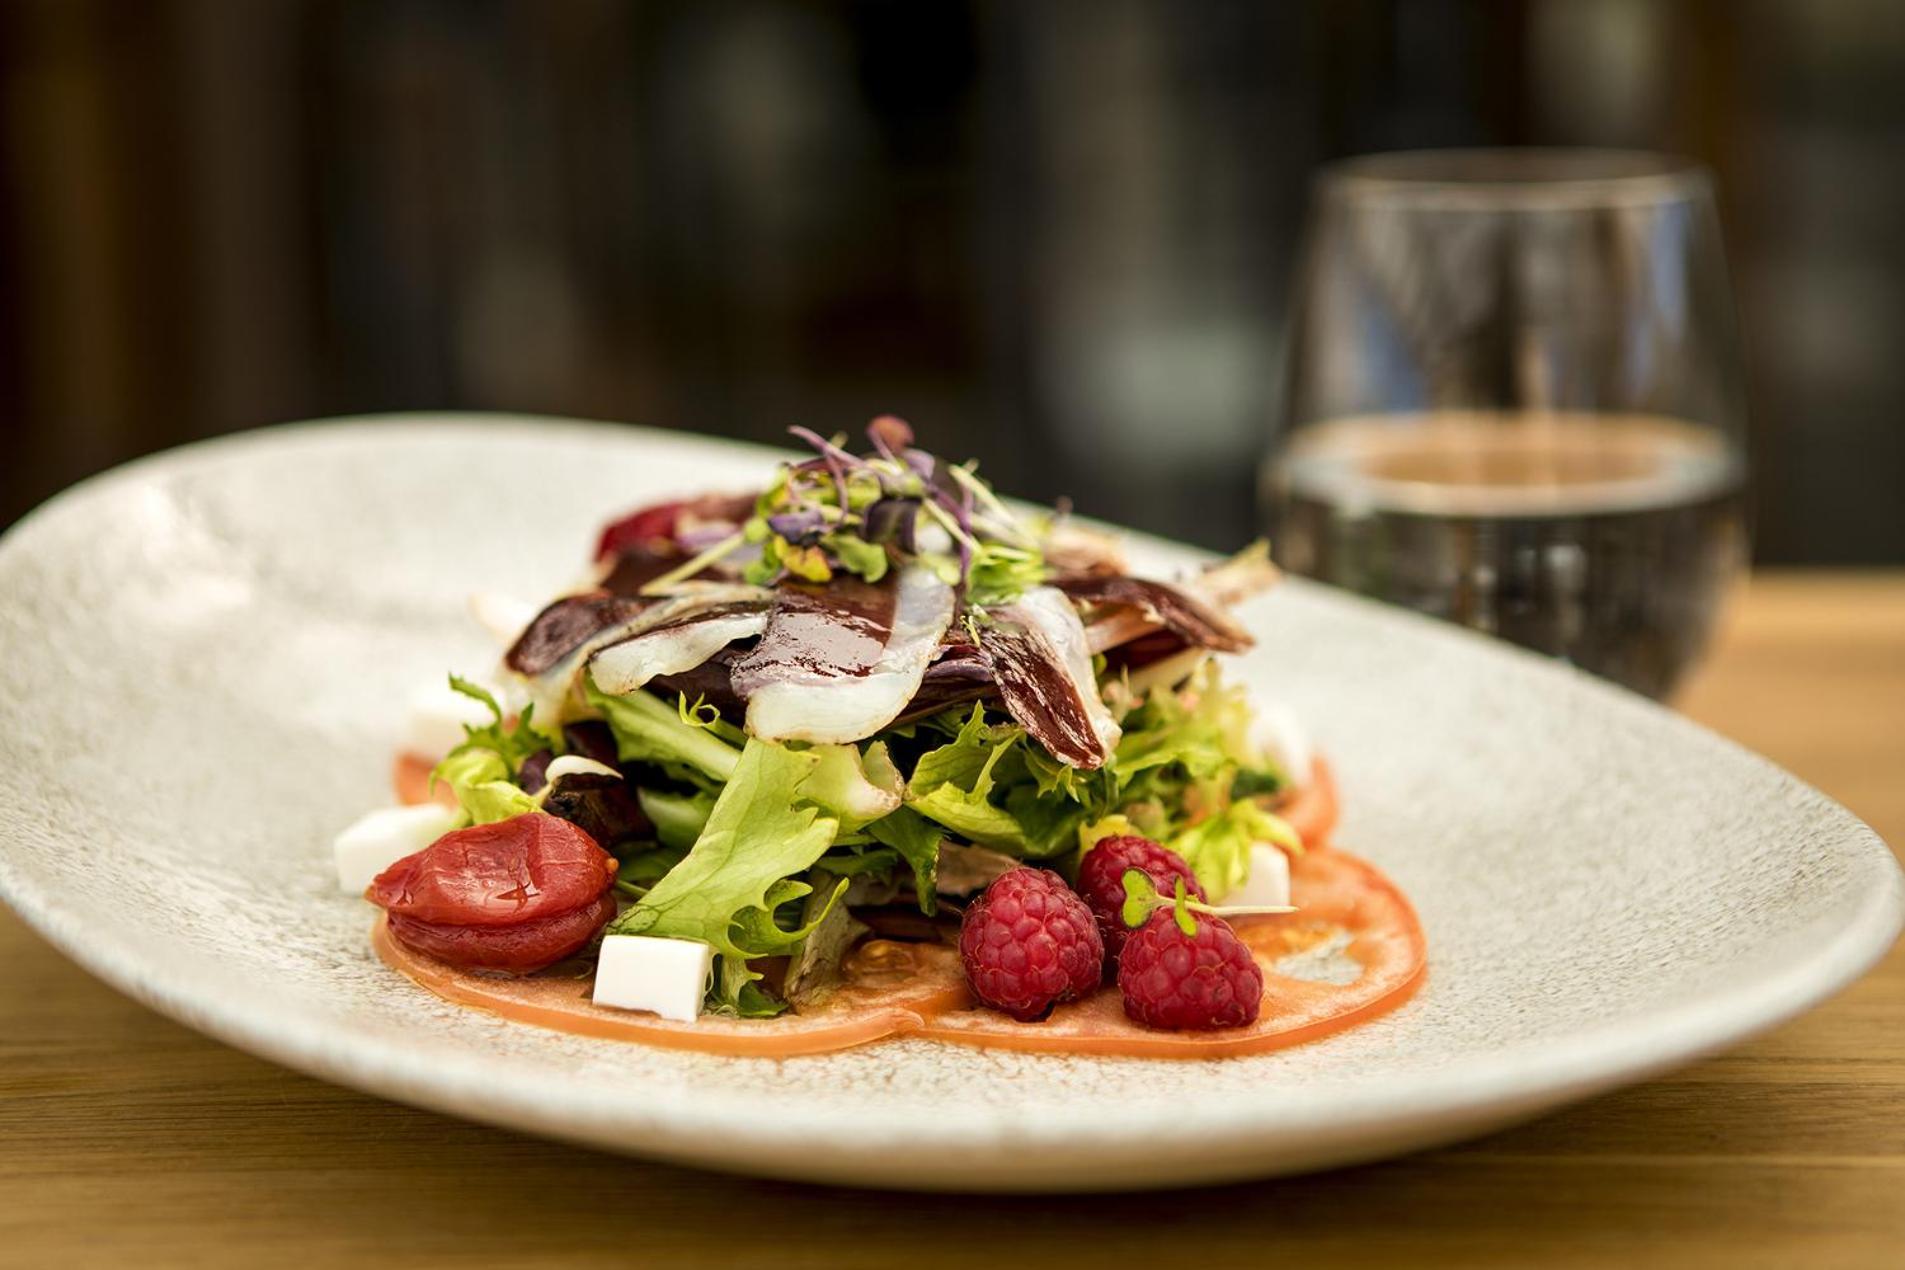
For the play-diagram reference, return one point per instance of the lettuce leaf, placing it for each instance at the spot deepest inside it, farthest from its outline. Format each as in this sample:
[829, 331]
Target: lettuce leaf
[726, 890]
[648, 729]
[856, 789]
[1204, 727]
[917, 840]
[510, 742]
[480, 780]
[646, 868]
[953, 783]
[1185, 773]
[679, 818]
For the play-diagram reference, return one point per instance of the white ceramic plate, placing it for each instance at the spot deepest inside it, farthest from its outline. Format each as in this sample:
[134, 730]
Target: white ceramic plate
[205, 659]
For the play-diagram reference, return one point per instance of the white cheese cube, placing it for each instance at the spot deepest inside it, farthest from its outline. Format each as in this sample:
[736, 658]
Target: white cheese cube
[380, 839]
[435, 717]
[1281, 736]
[663, 976]
[503, 616]
[1269, 880]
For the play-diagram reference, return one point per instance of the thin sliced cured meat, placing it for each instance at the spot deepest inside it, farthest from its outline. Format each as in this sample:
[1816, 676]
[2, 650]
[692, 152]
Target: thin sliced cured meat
[837, 664]
[712, 682]
[566, 625]
[611, 620]
[1043, 669]
[1226, 583]
[1353, 951]
[676, 647]
[1160, 604]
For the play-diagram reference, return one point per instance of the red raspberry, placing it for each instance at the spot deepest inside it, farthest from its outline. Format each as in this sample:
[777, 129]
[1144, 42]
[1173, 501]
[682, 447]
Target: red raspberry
[1200, 982]
[1101, 881]
[1029, 943]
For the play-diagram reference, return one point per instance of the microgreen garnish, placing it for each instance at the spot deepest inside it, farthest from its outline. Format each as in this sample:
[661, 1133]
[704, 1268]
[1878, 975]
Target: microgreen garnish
[695, 564]
[1142, 898]
[841, 513]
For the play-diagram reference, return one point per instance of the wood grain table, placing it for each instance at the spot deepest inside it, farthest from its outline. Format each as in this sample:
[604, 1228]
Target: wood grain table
[126, 1140]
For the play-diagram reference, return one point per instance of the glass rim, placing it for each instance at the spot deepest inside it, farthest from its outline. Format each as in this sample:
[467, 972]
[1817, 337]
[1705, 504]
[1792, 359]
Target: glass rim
[1514, 178]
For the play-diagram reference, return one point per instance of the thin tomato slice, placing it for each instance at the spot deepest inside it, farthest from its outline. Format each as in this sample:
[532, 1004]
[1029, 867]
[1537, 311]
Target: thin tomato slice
[1311, 811]
[410, 778]
[1355, 928]
[1352, 951]
[892, 989]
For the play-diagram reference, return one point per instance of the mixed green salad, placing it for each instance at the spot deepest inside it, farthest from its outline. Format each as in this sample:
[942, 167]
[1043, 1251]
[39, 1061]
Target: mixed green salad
[845, 702]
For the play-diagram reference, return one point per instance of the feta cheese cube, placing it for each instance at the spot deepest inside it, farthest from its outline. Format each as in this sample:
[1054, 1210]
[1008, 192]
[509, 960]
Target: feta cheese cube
[1280, 735]
[1269, 880]
[503, 616]
[381, 838]
[663, 976]
[435, 717]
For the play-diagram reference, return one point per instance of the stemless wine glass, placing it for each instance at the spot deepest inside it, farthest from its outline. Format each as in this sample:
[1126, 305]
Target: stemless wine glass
[1514, 401]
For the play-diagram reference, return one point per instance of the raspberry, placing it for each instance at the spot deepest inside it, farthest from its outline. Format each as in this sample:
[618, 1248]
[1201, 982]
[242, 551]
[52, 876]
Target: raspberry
[1199, 982]
[1028, 943]
[1101, 881]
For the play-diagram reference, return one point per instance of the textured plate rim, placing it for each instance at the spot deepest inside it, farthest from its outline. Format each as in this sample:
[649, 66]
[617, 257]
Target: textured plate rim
[1508, 1084]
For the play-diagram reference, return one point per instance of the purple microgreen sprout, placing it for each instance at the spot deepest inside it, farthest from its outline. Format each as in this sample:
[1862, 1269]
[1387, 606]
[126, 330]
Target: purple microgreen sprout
[1002, 520]
[890, 435]
[802, 527]
[838, 461]
[892, 520]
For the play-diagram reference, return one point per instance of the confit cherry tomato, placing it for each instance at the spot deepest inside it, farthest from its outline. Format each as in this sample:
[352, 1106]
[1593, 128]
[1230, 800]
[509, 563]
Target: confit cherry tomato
[529, 868]
[519, 949]
[654, 528]
[639, 530]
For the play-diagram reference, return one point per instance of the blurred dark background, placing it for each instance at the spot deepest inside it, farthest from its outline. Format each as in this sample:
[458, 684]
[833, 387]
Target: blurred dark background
[1055, 235]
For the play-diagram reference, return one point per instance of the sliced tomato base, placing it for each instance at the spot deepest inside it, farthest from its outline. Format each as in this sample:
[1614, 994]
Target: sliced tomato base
[1353, 951]
[1352, 925]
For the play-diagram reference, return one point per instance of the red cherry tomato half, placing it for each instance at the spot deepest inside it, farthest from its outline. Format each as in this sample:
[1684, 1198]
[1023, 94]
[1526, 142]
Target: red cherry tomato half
[519, 949]
[525, 869]
[655, 529]
[639, 529]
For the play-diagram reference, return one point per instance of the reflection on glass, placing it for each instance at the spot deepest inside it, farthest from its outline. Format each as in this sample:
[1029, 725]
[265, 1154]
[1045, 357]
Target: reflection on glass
[1514, 402]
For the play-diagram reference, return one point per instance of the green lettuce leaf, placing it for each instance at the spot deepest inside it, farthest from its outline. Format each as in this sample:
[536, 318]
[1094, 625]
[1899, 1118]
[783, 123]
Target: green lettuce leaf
[855, 788]
[510, 742]
[726, 890]
[814, 968]
[649, 867]
[1218, 847]
[1204, 727]
[857, 555]
[917, 840]
[679, 818]
[479, 778]
[648, 729]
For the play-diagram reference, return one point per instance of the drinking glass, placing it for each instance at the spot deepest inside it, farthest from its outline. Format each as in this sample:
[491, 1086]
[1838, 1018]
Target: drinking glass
[1513, 401]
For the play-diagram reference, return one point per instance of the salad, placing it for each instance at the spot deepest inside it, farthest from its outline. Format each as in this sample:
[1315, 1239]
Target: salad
[867, 751]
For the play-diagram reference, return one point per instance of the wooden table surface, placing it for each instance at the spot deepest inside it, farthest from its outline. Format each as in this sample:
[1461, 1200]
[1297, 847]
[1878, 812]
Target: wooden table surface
[127, 1140]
